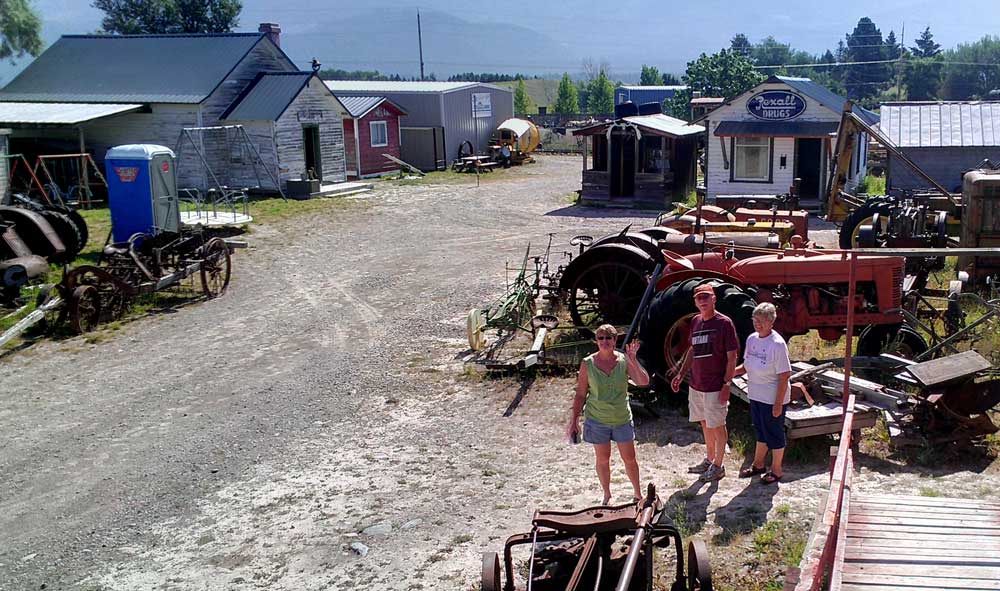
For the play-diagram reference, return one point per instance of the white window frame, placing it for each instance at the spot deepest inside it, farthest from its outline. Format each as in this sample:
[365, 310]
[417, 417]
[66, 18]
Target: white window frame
[736, 155]
[385, 132]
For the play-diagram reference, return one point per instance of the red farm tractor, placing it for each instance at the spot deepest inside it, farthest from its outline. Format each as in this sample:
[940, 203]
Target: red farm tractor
[809, 288]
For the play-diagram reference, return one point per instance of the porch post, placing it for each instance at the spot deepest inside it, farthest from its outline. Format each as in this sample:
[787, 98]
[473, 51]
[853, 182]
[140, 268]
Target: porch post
[83, 177]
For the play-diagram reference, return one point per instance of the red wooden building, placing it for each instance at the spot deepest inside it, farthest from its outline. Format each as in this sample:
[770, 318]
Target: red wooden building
[371, 131]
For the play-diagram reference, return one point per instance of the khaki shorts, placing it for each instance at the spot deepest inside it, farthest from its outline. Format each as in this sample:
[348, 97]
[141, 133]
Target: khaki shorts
[705, 406]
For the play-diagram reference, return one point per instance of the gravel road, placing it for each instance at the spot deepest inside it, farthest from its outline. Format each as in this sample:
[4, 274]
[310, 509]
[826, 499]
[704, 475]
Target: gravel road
[248, 442]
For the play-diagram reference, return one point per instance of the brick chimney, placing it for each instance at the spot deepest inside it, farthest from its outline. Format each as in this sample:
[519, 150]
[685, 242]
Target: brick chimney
[273, 32]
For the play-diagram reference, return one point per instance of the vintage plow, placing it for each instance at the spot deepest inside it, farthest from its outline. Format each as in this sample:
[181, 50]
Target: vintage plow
[515, 309]
[600, 548]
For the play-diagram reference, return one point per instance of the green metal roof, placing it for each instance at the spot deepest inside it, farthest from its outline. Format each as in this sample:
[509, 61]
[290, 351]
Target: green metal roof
[267, 97]
[131, 68]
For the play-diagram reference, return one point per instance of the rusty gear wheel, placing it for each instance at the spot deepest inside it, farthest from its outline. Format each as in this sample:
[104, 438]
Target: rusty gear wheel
[84, 308]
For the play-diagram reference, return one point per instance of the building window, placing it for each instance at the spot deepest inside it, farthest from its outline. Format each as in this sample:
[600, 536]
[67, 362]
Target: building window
[380, 133]
[751, 159]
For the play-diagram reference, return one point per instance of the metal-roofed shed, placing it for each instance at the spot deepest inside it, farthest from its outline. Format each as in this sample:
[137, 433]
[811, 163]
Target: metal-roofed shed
[640, 160]
[944, 138]
[20, 114]
[371, 132]
[440, 116]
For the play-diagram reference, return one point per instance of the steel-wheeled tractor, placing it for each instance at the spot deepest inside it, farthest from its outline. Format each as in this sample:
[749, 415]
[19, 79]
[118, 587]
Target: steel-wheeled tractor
[809, 288]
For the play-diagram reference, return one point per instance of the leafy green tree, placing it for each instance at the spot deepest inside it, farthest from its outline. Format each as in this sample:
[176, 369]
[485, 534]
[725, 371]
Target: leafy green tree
[650, 76]
[965, 79]
[724, 74]
[20, 30]
[567, 100]
[134, 17]
[601, 95]
[741, 45]
[926, 47]
[522, 102]
[922, 77]
[769, 52]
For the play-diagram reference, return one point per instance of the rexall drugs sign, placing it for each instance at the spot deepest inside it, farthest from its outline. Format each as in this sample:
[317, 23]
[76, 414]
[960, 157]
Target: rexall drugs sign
[776, 105]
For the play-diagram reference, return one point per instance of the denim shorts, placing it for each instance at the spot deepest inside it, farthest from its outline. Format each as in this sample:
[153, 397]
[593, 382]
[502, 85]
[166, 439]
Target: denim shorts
[769, 429]
[597, 432]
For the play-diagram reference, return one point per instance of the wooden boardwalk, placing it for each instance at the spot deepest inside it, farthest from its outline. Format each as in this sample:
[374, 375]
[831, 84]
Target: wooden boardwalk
[918, 543]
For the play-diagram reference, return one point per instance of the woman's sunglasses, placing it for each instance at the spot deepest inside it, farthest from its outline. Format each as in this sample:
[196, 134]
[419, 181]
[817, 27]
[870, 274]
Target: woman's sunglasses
[605, 338]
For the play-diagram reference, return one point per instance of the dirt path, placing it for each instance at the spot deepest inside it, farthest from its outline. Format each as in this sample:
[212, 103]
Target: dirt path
[249, 441]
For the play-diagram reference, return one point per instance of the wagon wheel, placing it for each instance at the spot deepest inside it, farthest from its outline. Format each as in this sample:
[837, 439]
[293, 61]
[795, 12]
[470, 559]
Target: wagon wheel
[491, 572]
[606, 293]
[699, 570]
[84, 308]
[216, 268]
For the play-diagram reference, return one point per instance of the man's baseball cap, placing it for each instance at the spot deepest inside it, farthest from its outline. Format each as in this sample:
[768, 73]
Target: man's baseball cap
[703, 288]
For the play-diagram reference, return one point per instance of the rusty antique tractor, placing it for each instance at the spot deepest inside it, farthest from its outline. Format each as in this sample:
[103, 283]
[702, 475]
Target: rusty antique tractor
[809, 288]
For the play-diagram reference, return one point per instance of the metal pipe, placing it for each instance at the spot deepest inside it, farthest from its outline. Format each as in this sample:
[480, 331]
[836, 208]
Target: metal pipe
[851, 293]
[643, 303]
[635, 549]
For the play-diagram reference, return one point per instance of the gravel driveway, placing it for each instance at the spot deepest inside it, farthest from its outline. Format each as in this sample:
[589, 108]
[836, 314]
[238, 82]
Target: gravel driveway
[247, 442]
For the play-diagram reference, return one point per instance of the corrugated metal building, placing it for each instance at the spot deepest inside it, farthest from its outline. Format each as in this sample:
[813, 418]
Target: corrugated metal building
[945, 139]
[645, 94]
[440, 116]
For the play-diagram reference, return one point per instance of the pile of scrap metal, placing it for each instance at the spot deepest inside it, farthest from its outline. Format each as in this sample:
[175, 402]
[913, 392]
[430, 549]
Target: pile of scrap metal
[32, 235]
[600, 548]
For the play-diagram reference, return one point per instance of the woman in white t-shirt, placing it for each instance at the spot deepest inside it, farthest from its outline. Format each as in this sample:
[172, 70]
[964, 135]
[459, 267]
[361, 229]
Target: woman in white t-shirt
[767, 367]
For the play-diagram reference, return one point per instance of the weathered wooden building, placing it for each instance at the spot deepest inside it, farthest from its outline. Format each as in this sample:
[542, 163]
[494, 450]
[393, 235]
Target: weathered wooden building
[372, 130]
[148, 88]
[639, 160]
[782, 129]
[945, 139]
[440, 116]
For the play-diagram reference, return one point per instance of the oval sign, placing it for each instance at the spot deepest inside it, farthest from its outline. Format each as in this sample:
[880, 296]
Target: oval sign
[776, 105]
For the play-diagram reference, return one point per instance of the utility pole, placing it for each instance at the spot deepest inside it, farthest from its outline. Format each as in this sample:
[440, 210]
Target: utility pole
[899, 63]
[420, 43]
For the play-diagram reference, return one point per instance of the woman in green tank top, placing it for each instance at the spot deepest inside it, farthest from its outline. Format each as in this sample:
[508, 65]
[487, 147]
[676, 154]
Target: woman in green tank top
[602, 396]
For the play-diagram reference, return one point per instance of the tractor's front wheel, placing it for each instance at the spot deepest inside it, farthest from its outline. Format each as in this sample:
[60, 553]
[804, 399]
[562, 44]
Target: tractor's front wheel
[895, 339]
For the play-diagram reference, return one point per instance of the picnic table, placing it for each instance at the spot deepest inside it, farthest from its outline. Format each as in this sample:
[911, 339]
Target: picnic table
[474, 164]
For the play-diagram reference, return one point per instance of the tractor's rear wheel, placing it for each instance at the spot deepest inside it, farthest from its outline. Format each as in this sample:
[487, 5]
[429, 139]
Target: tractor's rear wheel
[665, 329]
[895, 339]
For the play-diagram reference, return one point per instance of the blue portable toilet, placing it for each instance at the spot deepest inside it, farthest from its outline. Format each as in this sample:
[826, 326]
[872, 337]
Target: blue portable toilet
[142, 190]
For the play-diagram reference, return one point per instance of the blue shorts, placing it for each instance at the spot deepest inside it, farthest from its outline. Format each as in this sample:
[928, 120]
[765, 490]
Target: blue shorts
[769, 429]
[597, 432]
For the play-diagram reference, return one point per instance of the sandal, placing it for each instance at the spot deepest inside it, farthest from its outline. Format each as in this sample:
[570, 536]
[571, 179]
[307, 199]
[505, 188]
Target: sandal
[752, 471]
[770, 478]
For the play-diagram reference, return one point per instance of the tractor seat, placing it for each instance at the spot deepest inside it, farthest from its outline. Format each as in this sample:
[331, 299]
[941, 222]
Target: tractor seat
[116, 249]
[595, 520]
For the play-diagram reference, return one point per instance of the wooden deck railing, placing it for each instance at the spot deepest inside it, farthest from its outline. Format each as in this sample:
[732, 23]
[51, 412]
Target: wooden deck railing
[825, 549]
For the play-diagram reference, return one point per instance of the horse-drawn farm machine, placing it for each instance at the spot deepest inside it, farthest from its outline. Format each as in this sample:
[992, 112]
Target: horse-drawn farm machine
[151, 250]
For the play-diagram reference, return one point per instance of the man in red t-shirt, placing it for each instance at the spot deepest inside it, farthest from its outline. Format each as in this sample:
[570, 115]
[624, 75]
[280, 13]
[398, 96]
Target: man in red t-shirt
[711, 356]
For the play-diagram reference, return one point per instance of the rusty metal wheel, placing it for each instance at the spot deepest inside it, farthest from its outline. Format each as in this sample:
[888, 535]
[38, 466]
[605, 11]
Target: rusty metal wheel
[606, 293]
[491, 572]
[676, 342]
[84, 308]
[699, 569]
[216, 268]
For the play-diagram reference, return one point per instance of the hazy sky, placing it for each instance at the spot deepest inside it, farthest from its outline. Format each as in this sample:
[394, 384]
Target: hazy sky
[625, 33]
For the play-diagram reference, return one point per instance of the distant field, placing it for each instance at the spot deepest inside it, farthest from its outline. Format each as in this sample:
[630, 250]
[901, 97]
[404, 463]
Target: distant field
[542, 92]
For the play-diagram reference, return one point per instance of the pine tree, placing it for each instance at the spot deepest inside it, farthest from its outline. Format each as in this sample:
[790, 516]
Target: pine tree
[892, 49]
[669, 79]
[864, 81]
[926, 47]
[741, 45]
[567, 101]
